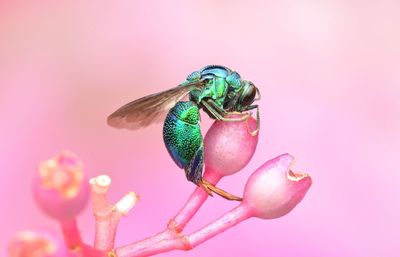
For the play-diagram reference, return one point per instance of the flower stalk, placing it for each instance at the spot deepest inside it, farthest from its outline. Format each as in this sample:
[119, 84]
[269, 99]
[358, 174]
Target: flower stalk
[71, 234]
[107, 215]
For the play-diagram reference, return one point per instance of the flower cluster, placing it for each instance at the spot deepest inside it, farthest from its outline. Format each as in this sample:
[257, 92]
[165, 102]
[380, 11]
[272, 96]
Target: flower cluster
[61, 191]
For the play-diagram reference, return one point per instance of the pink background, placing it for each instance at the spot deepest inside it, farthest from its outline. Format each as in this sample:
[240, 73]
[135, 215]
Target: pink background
[329, 73]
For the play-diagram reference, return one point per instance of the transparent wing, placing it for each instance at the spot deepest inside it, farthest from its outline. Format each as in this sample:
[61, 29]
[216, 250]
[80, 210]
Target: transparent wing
[149, 109]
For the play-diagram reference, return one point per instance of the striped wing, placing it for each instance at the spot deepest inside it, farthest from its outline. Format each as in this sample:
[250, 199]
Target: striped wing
[150, 109]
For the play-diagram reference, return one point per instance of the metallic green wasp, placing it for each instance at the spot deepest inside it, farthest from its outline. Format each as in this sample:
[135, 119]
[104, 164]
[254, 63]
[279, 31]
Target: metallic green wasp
[217, 90]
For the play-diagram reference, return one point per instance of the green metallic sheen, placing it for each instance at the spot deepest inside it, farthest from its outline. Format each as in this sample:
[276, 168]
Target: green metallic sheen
[234, 80]
[223, 91]
[194, 76]
[183, 139]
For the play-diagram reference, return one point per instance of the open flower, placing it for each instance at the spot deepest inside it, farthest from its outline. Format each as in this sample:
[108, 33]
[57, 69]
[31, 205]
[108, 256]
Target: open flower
[33, 244]
[273, 190]
[59, 187]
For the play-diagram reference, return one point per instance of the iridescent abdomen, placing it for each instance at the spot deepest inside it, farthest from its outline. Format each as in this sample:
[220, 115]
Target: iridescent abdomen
[183, 139]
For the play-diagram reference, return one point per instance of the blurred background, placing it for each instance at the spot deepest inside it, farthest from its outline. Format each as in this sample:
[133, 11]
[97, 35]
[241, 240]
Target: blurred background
[329, 74]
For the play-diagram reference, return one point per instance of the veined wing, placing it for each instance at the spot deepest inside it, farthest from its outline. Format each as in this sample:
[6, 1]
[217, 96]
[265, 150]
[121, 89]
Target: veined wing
[150, 109]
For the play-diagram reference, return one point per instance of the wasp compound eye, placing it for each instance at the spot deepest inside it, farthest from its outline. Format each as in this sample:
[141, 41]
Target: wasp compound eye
[248, 95]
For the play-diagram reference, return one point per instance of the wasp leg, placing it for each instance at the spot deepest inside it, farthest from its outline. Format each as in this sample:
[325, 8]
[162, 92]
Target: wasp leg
[219, 191]
[245, 116]
[212, 110]
[251, 107]
[205, 188]
[225, 113]
[194, 169]
[219, 113]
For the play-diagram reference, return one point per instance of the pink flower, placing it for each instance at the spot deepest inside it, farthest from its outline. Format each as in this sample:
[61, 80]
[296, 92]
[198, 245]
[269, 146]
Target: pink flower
[273, 190]
[60, 188]
[32, 244]
[229, 146]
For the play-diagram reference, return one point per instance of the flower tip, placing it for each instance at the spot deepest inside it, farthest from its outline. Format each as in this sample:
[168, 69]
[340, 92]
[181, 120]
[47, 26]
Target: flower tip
[284, 160]
[297, 176]
[127, 202]
[274, 189]
[100, 184]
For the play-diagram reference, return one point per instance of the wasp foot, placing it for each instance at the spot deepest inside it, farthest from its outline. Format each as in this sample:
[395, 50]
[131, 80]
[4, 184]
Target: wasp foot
[205, 187]
[211, 188]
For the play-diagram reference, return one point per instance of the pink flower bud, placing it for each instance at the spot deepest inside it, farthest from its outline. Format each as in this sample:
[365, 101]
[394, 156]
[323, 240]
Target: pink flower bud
[60, 188]
[273, 190]
[32, 244]
[229, 146]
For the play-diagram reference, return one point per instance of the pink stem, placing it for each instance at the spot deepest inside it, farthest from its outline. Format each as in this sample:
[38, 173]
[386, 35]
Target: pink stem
[230, 219]
[178, 223]
[142, 247]
[161, 247]
[194, 203]
[73, 241]
[72, 237]
[179, 242]
[88, 251]
[102, 239]
[114, 221]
